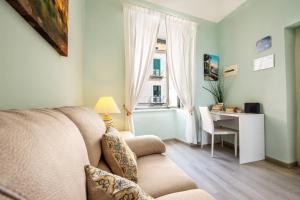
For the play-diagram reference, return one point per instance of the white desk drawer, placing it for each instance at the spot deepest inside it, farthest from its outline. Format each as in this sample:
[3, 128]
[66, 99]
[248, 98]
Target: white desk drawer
[217, 117]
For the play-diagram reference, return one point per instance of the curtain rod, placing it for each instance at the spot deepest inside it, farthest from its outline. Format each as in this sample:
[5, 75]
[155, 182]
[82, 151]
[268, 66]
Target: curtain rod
[180, 16]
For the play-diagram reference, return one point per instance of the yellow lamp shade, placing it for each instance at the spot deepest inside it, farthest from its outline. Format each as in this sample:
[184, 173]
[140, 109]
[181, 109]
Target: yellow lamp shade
[106, 105]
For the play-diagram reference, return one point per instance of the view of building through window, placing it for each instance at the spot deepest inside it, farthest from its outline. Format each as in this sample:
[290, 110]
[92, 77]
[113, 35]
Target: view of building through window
[159, 91]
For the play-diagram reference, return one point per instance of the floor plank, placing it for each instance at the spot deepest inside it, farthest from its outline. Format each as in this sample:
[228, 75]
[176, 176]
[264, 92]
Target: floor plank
[225, 179]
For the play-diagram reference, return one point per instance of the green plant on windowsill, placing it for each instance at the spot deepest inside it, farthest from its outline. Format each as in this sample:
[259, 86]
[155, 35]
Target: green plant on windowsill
[216, 88]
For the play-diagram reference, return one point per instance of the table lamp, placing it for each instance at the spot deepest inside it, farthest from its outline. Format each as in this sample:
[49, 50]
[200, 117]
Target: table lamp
[106, 106]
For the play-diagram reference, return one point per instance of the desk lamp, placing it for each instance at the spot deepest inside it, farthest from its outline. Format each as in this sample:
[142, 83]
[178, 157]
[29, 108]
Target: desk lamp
[106, 106]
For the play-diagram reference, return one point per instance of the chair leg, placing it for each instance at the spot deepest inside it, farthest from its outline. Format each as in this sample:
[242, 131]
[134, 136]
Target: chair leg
[222, 141]
[235, 145]
[212, 145]
[202, 136]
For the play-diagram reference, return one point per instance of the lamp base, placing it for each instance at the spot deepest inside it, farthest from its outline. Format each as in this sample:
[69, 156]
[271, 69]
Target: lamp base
[108, 121]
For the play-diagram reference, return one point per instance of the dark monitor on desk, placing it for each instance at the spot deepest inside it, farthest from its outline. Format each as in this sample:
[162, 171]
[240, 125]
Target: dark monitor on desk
[252, 108]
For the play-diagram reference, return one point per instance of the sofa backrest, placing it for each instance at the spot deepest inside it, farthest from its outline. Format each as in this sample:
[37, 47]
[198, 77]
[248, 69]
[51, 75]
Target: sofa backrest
[91, 127]
[42, 156]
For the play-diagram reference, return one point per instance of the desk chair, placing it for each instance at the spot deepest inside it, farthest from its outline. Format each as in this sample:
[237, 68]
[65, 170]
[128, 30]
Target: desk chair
[209, 127]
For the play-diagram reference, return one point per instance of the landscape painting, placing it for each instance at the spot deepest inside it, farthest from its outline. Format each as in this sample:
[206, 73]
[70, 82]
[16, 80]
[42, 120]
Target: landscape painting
[49, 18]
[211, 67]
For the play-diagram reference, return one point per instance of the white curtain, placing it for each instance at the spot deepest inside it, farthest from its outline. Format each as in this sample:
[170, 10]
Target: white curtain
[140, 28]
[181, 39]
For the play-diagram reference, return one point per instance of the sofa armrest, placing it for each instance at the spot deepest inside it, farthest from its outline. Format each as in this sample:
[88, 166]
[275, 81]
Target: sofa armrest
[146, 145]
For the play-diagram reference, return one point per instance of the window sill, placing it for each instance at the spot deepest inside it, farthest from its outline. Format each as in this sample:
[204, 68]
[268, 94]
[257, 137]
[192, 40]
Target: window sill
[155, 110]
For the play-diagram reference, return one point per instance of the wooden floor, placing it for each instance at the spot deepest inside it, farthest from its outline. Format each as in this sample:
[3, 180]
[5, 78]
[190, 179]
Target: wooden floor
[225, 179]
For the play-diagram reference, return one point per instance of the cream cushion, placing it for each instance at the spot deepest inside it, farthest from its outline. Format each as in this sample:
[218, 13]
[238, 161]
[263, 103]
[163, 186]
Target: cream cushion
[159, 176]
[91, 127]
[146, 145]
[188, 195]
[42, 156]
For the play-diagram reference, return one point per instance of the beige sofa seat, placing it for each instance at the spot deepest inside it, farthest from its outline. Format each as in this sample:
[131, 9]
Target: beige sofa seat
[42, 156]
[196, 194]
[159, 176]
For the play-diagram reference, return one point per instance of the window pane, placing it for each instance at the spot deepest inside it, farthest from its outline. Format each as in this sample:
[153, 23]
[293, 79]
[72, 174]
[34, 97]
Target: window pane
[155, 92]
[158, 90]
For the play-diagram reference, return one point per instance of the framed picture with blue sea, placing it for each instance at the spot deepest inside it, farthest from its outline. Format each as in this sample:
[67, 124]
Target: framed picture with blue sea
[211, 67]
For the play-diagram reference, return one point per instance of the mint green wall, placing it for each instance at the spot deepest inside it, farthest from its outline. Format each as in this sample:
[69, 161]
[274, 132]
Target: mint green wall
[103, 69]
[297, 65]
[161, 123]
[237, 36]
[32, 74]
[103, 72]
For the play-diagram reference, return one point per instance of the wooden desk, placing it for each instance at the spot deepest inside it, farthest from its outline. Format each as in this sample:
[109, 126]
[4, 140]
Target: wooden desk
[251, 133]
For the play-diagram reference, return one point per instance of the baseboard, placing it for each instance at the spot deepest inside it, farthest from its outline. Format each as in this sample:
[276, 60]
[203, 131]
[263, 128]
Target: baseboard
[178, 140]
[226, 144]
[170, 140]
[280, 163]
[231, 146]
[269, 159]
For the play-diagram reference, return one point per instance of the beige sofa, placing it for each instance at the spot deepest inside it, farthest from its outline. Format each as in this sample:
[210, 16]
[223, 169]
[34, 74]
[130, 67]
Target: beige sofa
[43, 153]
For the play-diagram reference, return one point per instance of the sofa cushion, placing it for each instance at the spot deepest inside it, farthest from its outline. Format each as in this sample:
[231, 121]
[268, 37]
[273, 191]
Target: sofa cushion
[119, 157]
[91, 127]
[42, 156]
[146, 145]
[188, 195]
[159, 176]
[104, 185]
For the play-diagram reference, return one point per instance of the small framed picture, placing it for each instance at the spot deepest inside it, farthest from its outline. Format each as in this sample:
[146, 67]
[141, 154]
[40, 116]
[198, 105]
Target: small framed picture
[264, 44]
[211, 67]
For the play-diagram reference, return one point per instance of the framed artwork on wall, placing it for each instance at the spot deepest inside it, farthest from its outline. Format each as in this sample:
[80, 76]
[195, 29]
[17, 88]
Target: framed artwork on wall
[264, 44]
[49, 18]
[211, 67]
[265, 62]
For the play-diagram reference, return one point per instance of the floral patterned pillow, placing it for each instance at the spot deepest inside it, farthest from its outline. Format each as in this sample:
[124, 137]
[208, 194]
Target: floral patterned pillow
[119, 156]
[104, 185]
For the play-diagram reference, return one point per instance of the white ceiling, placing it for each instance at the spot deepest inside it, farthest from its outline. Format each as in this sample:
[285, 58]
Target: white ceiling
[211, 10]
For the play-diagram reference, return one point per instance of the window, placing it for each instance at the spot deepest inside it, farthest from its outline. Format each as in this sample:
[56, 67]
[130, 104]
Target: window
[159, 91]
